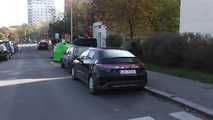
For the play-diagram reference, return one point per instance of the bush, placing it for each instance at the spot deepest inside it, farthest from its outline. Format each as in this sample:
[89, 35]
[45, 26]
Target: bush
[176, 50]
[165, 49]
[114, 41]
[135, 47]
[1, 36]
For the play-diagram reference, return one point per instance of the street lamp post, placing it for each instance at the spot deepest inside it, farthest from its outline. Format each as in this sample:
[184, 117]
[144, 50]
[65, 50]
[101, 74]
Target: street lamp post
[71, 21]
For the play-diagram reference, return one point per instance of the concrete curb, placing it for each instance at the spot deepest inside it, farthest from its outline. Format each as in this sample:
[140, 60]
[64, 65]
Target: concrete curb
[182, 101]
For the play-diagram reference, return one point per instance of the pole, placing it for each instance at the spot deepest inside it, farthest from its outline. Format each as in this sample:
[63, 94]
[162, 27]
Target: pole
[71, 21]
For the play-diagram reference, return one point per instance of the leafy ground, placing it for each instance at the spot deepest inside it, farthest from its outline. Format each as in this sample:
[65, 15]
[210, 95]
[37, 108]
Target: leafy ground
[183, 72]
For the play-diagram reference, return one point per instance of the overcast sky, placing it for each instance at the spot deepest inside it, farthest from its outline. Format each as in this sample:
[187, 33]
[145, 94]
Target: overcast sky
[14, 12]
[197, 16]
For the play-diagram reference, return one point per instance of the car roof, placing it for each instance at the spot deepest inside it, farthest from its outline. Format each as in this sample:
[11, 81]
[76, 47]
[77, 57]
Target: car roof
[100, 50]
[105, 49]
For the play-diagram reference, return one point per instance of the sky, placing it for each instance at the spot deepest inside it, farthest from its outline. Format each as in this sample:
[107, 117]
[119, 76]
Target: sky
[14, 12]
[197, 16]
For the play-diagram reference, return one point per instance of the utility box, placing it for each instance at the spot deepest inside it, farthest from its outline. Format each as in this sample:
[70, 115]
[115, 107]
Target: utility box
[100, 33]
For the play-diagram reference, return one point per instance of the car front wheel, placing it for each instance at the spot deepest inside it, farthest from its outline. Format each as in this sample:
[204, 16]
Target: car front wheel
[92, 86]
[73, 73]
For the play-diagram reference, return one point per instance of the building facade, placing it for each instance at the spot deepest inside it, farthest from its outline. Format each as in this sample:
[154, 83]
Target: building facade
[41, 11]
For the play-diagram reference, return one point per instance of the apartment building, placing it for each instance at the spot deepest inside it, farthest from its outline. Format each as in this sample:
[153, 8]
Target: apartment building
[41, 11]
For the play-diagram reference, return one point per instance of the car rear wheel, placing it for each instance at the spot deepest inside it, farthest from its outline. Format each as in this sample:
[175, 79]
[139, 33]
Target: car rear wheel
[62, 65]
[92, 86]
[141, 88]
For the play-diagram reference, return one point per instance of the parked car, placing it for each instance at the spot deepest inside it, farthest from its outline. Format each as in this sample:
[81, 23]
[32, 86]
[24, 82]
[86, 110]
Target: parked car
[43, 45]
[109, 68]
[71, 54]
[9, 46]
[4, 52]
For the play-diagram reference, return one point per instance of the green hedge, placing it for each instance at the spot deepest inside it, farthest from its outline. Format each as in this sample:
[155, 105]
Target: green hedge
[186, 50]
[114, 41]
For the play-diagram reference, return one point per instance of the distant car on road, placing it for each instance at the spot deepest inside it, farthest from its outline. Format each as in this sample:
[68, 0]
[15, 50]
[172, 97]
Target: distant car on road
[43, 45]
[109, 68]
[71, 54]
[4, 52]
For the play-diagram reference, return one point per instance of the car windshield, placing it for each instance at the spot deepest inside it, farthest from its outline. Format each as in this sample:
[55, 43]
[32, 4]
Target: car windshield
[80, 50]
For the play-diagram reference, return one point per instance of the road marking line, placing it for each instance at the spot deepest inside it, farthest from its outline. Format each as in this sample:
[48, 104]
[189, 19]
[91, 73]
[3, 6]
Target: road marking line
[4, 83]
[143, 118]
[55, 64]
[184, 116]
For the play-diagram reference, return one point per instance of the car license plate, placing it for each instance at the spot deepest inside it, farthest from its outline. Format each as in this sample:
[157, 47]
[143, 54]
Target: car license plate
[127, 72]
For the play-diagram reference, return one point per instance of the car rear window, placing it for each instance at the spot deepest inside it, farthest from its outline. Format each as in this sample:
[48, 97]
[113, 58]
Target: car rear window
[43, 43]
[118, 57]
[116, 54]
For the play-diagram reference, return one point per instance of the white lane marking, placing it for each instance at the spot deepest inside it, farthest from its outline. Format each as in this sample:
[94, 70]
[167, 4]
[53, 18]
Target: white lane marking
[184, 116]
[55, 64]
[143, 118]
[4, 83]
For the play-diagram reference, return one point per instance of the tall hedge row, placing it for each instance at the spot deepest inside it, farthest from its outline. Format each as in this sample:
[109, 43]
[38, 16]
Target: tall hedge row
[175, 50]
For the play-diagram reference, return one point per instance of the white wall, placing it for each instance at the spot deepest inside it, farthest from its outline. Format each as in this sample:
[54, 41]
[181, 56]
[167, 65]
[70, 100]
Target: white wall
[197, 16]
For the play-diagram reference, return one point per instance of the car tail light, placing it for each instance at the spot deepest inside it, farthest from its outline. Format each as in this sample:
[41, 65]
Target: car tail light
[121, 66]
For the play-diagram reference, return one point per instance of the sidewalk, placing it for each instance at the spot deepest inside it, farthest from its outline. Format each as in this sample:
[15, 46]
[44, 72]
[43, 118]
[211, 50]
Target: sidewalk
[194, 91]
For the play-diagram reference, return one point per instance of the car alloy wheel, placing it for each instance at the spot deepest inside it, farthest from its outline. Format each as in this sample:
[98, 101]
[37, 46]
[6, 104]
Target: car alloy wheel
[92, 88]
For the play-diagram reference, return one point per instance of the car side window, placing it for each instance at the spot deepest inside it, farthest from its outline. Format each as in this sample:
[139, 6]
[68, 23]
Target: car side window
[91, 55]
[70, 51]
[84, 55]
[67, 51]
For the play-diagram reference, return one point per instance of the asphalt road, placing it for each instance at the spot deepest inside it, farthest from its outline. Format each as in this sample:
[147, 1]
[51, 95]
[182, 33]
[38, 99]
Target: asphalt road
[32, 87]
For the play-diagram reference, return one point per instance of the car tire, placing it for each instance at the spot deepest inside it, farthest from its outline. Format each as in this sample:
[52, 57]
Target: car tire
[92, 86]
[69, 68]
[62, 65]
[7, 57]
[73, 73]
[141, 88]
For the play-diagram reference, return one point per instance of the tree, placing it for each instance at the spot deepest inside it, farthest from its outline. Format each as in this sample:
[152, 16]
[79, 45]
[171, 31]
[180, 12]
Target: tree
[167, 18]
[1, 36]
[136, 16]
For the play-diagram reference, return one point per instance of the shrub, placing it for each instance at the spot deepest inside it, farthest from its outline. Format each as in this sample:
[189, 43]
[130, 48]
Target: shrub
[175, 50]
[164, 49]
[114, 41]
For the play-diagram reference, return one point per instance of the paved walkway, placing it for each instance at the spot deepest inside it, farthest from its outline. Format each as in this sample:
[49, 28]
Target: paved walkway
[194, 91]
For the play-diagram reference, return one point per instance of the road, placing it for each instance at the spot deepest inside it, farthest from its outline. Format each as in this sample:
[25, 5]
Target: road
[32, 87]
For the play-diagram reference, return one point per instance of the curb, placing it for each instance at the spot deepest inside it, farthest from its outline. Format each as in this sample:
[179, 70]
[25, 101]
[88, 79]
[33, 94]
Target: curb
[182, 101]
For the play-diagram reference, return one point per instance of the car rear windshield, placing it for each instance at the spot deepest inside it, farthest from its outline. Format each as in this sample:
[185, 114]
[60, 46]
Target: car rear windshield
[116, 54]
[43, 43]
[118, 57]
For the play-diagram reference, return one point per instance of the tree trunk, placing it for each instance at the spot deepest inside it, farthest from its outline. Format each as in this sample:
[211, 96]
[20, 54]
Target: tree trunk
[131, 29]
